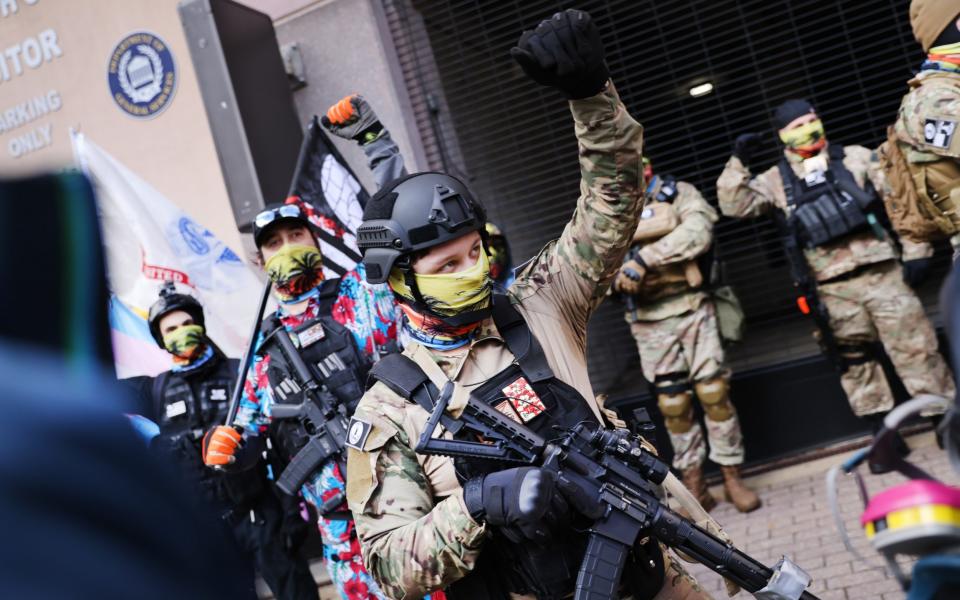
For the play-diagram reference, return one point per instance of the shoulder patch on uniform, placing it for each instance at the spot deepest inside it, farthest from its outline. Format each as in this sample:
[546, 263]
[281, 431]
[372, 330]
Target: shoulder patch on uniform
[357, 433]
[938, 132]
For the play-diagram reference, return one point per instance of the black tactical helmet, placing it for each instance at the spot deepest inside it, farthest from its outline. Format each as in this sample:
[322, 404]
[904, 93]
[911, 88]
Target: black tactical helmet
[170, 300]
[415, 213]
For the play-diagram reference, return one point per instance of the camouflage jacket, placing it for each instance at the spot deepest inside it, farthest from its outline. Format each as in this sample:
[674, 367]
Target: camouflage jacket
[741, 195]
[691, 238]
[414, 528]
[929, 111]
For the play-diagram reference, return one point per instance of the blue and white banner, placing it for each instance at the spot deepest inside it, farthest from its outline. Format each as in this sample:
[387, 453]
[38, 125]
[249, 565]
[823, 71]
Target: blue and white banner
[149, 240]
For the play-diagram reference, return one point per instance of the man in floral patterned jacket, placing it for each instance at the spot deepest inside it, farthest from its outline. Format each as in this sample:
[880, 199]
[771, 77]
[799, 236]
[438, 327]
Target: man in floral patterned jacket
[343, 326]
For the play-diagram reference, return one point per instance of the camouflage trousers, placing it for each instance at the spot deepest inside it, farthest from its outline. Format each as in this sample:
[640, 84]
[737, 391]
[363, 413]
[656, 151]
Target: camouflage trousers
[877, 305]
[690, 343]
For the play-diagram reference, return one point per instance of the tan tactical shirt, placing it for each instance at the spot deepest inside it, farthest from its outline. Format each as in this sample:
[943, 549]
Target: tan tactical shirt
[927, 122]
[415, 531]
[690, 239]
[741, 195]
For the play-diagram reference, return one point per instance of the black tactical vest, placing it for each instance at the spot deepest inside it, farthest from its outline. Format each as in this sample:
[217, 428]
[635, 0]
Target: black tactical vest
[529, 391]
[827, 206]
[331, 352]
[187, 404]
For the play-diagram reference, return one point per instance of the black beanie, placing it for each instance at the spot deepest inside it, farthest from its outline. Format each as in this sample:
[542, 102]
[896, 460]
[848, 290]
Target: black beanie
[790, 110]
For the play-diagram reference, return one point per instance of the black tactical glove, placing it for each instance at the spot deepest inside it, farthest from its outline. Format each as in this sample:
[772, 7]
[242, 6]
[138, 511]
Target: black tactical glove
[564, 52]
[915, 271]
[746, 146]
[523, 499]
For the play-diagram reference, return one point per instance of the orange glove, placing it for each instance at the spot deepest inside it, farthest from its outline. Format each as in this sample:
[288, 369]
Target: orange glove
[352, 118]
[220, 446]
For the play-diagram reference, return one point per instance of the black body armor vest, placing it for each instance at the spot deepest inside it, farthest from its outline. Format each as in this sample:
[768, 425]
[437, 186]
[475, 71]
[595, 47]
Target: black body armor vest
[827, 206]
[331, 352]
[187, 404]
[530, 392]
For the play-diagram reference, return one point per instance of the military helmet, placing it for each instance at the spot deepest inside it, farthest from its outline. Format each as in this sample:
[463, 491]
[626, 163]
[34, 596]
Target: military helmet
[292, 209]
[411, 214]
[170, 301]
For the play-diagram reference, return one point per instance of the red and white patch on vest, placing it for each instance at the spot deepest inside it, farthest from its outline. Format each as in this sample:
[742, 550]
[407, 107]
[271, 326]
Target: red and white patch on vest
[521, 401]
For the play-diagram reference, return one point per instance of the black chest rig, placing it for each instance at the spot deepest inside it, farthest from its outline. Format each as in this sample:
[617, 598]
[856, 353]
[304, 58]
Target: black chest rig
[186, 404]
[528, 391]
[330, 350]
[829, 205]
[189, 403]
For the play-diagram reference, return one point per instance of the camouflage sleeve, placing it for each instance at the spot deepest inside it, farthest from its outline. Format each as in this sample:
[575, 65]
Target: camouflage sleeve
[384, 159]
[739, 195]
[929, 118]
[865, 165]
[413, 541]
[691, 238]
[577, 268]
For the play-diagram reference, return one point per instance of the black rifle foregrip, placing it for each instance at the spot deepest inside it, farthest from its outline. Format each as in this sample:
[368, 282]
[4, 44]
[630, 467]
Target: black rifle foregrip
[600, 571]
[679, 533]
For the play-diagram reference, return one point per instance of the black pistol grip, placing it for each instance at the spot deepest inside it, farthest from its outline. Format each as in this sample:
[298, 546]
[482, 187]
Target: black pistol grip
[600, 571]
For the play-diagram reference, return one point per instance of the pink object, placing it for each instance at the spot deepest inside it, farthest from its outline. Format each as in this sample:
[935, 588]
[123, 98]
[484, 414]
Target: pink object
[914, 493]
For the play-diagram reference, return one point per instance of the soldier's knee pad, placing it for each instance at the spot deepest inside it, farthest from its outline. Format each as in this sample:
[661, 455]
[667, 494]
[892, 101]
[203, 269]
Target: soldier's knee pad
[715, 399]
[676, 403]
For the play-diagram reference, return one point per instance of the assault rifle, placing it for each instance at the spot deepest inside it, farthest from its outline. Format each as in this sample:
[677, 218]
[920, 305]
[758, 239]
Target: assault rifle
[808, 300]
[322, 415]
[619, 477]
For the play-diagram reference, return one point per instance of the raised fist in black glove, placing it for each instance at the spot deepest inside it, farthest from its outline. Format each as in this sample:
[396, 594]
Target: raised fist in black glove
[746, 146]
[915, 271]
[524, 500]
[564, 52]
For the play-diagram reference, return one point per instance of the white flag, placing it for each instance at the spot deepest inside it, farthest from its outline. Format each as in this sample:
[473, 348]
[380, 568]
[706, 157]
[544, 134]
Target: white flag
[149, 240]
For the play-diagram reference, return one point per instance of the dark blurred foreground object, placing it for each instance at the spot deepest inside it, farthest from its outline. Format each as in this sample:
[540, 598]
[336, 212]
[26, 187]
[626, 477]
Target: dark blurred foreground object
[51, 262]
[85, 511]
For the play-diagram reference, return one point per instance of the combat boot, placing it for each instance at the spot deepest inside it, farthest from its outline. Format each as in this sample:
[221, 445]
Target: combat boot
[693, 479]
[736, 492]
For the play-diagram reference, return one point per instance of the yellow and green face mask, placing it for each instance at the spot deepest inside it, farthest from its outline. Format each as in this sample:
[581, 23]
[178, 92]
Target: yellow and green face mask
[186, 341]
[295, 270]
[449, 294]
[806, 140]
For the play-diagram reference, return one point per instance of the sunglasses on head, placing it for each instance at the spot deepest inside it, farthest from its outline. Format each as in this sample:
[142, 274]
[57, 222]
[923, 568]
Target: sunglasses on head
[269, 216]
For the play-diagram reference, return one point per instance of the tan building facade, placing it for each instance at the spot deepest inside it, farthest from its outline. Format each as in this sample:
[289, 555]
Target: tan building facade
[82, 65]
[57, 56]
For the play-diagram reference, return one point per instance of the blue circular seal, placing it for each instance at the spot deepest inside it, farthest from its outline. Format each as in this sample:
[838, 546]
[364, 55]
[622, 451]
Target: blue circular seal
[142, 75]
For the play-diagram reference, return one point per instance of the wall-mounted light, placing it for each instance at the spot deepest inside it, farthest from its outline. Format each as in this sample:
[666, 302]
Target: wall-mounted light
[701, 90]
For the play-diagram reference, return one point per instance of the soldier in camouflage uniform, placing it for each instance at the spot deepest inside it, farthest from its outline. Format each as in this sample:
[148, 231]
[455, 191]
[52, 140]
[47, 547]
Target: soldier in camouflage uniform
[422, 528]
[857, 274]
[675, 325]
[921, 157]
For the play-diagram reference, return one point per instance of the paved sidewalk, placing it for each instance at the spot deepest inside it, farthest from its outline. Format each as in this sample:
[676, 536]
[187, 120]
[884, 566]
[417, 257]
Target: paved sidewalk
[795, 520]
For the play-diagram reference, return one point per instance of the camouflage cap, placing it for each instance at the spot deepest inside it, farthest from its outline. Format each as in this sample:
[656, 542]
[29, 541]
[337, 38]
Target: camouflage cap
[930, 17]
